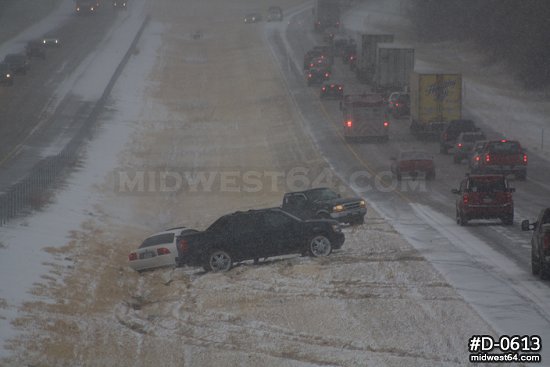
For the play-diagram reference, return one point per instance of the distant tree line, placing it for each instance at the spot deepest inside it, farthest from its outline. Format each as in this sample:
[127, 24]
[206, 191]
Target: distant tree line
[514, 31]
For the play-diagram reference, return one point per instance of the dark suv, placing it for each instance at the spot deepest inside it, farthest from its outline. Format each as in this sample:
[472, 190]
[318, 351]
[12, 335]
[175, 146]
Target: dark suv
[540, 243]
[256, 234]
[484, 197]
[451, 132]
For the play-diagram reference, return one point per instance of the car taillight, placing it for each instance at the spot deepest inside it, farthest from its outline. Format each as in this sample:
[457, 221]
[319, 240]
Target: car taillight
[327, 74]
[339, 88]
[351, 57]
[459, 145]
[309, 75]
[397, 105]
[183, 245]
[349, 123]
[323, 89]
[478, 158]
[487, 158]
[524, 158]
[465, 199]
[386, 124]
[163, 251]
[133, 256]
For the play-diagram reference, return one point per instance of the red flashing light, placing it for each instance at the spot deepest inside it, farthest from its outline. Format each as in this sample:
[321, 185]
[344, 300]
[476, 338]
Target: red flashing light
[349, 123]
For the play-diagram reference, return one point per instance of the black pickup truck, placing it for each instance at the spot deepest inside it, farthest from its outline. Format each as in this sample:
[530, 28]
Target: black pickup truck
[255, 234]
[325, 203]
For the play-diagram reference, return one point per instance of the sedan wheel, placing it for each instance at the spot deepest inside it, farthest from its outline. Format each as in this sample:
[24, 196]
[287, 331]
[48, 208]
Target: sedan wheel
[320, 246]
[219, 260]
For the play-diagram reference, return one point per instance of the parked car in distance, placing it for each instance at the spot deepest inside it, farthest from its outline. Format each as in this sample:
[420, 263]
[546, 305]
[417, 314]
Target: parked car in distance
[451, 131]
[465, 143]
[323, 202]
[413, 164]
[540, 243]
[35, 49]
[6, 75]
[484, 197]
[317, 76]
[158, 250]
[256, 234]
[17, 63]
[399, 104]
[332, 91]
[320, 62]
[274, 14]
[504, 157]
[253, 18]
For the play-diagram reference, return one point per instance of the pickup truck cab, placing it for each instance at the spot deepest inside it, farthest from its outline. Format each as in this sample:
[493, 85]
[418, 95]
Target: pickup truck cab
[325, 203]
[540, 243]
[504, 157]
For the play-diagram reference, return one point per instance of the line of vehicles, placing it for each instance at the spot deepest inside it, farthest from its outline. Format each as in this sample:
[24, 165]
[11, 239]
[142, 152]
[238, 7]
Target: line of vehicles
[433, 104]
[92, 6]
[274, 14]
[19, 63]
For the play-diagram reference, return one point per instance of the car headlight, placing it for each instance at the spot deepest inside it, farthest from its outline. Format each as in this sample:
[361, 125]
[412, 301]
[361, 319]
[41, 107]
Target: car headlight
[337, 228]
[337, 208]
[8, 75]
[362, 204]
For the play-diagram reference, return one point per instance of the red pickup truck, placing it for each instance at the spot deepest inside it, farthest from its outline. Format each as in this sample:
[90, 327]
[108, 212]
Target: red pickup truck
[504, 157]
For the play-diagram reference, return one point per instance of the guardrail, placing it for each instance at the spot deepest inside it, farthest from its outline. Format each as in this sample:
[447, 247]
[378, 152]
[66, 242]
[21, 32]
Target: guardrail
[33, 191]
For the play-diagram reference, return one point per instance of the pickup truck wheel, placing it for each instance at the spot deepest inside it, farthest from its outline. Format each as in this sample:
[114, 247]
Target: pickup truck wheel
[218, 261]
[535, 266]
[320, 245]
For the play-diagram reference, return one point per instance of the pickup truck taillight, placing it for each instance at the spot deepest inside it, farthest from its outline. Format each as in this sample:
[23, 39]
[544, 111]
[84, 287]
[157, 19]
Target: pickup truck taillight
[133, 256]
[183, 245]
[465, 198]
[524, 158]
[349, 123]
